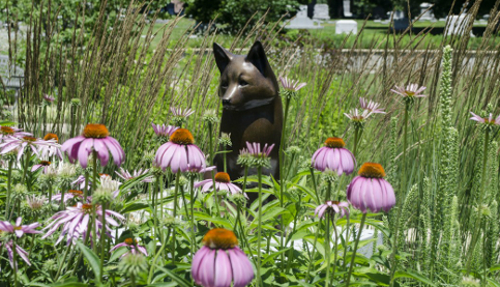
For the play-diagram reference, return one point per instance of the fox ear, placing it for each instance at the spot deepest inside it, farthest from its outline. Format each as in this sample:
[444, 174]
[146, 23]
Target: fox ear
[222, 57]
[257, 56]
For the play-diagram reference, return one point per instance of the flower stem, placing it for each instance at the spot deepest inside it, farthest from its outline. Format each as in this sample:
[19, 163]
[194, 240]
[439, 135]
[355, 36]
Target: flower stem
[132, 280]
[9, 186]
[351, 266]
[328, 191]
[94, 228]
[336, 247]
[311, 169]
[224, 157]
[63, 191]
[103, 245]
[86, 190]
[193, 235]
[61, 264]
[26, 164]
[327, 249]
[400, 195]
[311, 259]
[405, 133]
[175, 213]
[216, 198]
[282, 181]
[94, 177]
[153, 264]
[14, 252]
[356, 138]
[210, 143]
[259, 236]
[50, 195]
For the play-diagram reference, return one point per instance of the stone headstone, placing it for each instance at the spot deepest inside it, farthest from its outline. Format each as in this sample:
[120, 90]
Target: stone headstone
[301, 21]
[346, 27]
[347, 8]
[401, 24]
[398, 15]
[457, 24]
[426, 13]
[321, 12]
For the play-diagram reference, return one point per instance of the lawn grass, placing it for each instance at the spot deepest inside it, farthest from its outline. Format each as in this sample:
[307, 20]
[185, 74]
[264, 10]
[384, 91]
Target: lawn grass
[373, 35]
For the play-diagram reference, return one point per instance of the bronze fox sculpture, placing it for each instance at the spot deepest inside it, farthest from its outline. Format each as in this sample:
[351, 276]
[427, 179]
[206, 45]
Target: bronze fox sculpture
[252, 108]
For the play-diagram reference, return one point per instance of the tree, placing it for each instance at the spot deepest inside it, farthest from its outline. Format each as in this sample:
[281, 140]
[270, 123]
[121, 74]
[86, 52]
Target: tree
[231, 16]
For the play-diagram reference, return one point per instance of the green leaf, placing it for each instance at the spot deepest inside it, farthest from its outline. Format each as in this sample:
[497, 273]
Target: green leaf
[273, 255]
[70, 282]
[7, 123]
[134, 206]
[413, 275]
[273, 214]
[91, 258]
[132, 182]
[164, 284]
[180, 281]
[118, 253]
[215, 220]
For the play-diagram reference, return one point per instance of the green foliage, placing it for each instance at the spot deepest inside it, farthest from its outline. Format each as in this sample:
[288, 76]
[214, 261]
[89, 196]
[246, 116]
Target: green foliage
[128, 81]
[232, 16]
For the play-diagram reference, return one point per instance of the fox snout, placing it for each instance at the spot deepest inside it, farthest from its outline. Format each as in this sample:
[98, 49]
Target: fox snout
[230, 96]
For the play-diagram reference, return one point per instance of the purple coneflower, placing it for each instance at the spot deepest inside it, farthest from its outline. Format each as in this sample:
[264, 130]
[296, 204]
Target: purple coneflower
[6, 132]
[411, 91]
[36, 202]
[19, 251]
[42, 164]
[179, 112]
[79, 182]
[220, 262]
[334, 156]
[255, 150]
[19, 229]
[255, 156]
[370, 190]
[75, 222]
[132, 245]
[180, 153]
[95, 138]
[489, 120]
[371, 106]
[69, 195]
[291, 85]
[47, 151]
[126, 175]
[222, 182]
[164, 130]
[19, 144]
[48, 98]
[333, 207]
[358, 116]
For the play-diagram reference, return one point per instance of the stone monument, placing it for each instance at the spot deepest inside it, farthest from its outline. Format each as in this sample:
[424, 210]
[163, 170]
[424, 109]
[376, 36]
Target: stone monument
[321, 12]
[301, 21]
[346, 27]
[426, 13]
[347, 8]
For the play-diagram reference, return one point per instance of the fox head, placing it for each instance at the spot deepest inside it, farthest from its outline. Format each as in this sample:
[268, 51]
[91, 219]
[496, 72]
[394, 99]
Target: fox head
[246, 82]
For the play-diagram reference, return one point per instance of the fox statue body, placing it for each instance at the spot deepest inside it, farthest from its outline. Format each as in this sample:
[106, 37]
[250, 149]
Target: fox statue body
[252, 108]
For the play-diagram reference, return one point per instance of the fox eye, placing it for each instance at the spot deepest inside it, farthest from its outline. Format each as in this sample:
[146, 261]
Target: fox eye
[224, 85]
[243, 83]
